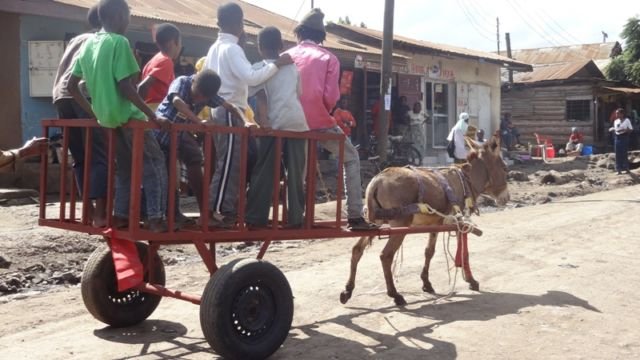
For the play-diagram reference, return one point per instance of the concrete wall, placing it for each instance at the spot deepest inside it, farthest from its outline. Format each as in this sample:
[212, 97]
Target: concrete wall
[468, 72]
[11, 133]
[43, 28]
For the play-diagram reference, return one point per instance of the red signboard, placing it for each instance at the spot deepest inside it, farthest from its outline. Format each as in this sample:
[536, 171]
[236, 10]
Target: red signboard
[345, 82]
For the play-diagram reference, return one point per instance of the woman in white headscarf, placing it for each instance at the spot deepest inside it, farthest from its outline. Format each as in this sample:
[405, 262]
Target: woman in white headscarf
[457, 136]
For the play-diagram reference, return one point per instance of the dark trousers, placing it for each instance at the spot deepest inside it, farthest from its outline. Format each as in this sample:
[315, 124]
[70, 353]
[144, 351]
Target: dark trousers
[69, 109]
[622, 149]
[261, 189]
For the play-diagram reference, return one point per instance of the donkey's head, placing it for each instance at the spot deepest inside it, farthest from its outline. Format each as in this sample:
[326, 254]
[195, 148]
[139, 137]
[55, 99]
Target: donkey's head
[488, 171]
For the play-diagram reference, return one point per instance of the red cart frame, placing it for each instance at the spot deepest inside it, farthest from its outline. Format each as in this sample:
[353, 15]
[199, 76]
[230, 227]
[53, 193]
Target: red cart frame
[202, 236]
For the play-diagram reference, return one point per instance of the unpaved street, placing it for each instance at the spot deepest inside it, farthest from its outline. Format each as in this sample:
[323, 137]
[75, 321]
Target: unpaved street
[558, 281]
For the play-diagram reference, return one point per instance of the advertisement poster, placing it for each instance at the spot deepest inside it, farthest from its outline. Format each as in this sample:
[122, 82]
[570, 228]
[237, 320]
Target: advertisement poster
[345, 82]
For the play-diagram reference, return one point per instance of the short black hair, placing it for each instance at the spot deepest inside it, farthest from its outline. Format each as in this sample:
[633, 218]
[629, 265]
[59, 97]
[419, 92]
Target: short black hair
[93, 18]
[622, 111]
[110, 10]
[207, 83]
[165, 33]
[229, 15]
[270, 38]
[307, 33]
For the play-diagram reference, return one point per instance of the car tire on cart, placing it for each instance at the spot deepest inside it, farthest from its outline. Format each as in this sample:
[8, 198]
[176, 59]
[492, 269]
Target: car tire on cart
[246, 310]
[100, 290]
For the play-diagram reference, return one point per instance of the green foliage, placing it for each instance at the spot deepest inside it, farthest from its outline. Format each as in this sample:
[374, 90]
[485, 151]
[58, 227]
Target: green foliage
[363, 25]
[345, 21]
[626, 67]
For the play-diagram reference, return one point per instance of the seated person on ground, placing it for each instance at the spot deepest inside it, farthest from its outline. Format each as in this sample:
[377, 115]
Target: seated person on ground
[576, 143]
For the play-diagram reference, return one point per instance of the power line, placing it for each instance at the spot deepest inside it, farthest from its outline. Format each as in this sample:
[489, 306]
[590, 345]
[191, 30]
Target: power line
[479, 30]
[480, 24]
[526, 21]
[558, 26]
[543, 24]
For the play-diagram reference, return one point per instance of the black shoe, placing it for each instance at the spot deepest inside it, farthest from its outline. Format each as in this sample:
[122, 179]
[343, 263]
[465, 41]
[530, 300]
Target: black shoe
[361, 224]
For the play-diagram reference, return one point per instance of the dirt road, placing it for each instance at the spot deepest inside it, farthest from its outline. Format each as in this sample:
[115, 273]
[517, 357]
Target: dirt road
[558, 281]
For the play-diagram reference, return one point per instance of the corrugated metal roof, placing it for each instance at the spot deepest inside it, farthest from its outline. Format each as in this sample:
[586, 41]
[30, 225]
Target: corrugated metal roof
[431, 46]
[626, 90]
[559, 72]
[565, 54]
[202, 13]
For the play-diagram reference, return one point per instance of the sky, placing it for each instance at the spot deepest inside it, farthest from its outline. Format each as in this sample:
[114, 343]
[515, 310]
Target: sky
[472, 23]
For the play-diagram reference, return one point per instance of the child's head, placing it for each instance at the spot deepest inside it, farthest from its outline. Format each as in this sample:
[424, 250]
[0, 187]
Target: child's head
[311, 27]
[93, 18]
[231, 19]
[167, 38]
[205, 86]
[270, 42]
[114, 15]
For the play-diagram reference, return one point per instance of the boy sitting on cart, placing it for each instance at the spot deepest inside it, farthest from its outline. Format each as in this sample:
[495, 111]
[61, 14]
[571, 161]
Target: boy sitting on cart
[278, 108]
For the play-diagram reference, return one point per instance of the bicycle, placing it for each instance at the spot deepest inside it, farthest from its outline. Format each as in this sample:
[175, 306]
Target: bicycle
[399, 152]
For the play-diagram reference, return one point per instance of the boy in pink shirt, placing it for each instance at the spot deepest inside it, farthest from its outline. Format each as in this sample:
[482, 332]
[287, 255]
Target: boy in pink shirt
[319, 73]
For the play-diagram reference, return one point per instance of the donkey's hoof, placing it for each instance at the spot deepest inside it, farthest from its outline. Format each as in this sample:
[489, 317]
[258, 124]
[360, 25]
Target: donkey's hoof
[399, 300]
[345, 296]
[474, 285]
[428, 289]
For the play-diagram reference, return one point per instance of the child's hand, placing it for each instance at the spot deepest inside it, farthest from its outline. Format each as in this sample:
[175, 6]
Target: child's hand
[284, 60]
[164, 123]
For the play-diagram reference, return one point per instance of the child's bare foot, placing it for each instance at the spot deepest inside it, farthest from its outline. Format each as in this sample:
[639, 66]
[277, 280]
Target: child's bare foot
[99, 222]
[120, 223]
[157, 226]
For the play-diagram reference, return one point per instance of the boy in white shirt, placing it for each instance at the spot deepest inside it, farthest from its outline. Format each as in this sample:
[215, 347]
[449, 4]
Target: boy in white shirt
[227, 59]
[622, 128]
[278, 108]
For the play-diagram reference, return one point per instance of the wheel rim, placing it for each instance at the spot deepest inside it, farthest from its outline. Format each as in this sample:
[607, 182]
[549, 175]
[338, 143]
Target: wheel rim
[253, 311]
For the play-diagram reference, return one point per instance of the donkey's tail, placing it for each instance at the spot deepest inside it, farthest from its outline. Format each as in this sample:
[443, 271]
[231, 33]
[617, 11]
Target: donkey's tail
[371, 198]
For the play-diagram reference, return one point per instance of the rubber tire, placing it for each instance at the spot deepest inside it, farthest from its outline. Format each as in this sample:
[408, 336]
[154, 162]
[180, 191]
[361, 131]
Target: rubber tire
[216, 309]
[99, 284]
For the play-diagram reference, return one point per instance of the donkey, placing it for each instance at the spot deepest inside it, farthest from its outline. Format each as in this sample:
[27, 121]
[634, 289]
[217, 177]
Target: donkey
[399, 188]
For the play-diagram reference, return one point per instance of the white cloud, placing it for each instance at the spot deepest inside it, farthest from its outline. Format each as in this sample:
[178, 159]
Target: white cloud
[472, 23]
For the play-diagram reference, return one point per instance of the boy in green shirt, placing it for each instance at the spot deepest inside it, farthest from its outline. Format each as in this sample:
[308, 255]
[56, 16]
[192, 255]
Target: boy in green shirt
[109, 69]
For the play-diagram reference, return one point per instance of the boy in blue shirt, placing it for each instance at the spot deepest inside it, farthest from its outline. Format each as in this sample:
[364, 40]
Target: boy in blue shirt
[186, 98]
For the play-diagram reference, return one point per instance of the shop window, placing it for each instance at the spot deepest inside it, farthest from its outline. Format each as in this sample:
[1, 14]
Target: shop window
[437, 106]
[579, 110]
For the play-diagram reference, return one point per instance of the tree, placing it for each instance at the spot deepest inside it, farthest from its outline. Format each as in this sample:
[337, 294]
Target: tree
[363, 25]
[626, 67]
[345, 21]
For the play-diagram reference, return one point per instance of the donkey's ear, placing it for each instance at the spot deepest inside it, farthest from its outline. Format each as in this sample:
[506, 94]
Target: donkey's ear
[472, 156]
[466, 167]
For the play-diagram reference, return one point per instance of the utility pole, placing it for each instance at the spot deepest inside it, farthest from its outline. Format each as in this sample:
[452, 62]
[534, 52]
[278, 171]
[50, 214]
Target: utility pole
[385, 79]
[498, 33]
[508, 38]
[312, 6]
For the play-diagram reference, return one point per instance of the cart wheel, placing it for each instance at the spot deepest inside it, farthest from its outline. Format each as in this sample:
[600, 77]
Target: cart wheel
[100, 290]
[246, 309]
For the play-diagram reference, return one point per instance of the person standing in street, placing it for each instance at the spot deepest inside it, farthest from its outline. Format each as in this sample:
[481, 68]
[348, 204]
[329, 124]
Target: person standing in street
[622, 129]
[456, 135]
[418, 133]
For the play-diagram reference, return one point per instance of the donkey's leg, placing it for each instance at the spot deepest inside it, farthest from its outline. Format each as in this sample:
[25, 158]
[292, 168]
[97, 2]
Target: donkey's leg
[462, 260]
[428, 255]
[356, 254]
[386, 257]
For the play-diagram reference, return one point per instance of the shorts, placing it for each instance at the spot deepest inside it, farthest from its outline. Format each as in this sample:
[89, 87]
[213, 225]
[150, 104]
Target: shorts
[189, 152]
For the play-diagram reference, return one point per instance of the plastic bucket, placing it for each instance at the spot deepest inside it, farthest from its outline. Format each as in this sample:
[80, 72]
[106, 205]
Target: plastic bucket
[551, 153]
[587, 150]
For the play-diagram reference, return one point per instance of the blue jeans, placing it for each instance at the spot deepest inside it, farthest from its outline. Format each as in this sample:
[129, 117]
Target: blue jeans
[352, 179]
[622, 149]
[154, 175]
[69, 109]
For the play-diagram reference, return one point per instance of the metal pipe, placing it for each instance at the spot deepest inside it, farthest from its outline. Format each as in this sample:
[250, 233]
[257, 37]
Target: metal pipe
[164, 292]
[63, 172]
[137, 164]
[275, 196]
[173, 160]
[86, 175]
[111, 175]
[44, 174]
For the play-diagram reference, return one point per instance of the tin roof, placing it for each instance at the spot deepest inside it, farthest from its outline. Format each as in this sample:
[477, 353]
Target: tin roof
[202, 13]
[570, 53]
[572, 70]
[432, 47]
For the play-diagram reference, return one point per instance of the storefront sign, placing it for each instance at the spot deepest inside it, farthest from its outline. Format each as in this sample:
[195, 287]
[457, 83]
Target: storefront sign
[435, 71]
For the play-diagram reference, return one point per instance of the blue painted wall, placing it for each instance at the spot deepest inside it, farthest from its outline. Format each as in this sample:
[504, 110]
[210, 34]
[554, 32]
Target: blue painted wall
[33, 28]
